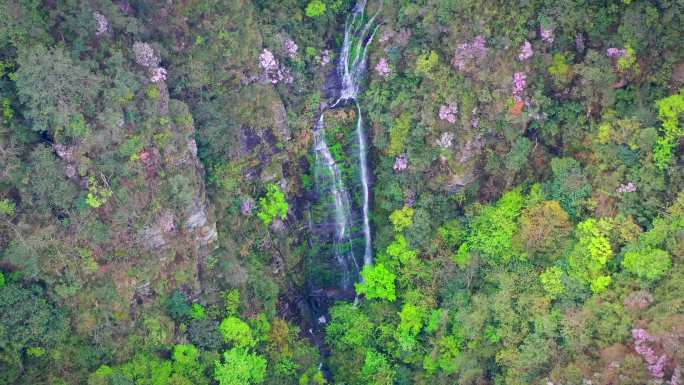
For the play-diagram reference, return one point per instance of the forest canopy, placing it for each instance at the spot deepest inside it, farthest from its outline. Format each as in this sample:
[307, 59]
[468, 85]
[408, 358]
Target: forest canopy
[310, 192]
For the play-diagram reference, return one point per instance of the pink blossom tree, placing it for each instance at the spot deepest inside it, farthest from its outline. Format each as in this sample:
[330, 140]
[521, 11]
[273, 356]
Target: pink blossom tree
[382, 68]
[468, 53]
[526, 51]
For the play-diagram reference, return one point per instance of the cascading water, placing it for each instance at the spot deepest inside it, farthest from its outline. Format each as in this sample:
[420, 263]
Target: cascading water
[328, 174]
[351, 70]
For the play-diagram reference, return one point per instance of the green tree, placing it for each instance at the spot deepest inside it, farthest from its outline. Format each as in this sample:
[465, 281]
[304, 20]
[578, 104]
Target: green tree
[240, 367]
[315, 8]
[411, 322]
[349, 327]
[551, 281]
[187, 366]
[491, 232]
[591, 253]
[544, 228]
[54, 87]
[399, 133]
[400, 250]
[27, 321]
[426, 63]
[273, 205]
[647, 263]
[177, 305]
[569, 186]
[376, 369]
[378, 282]
[402, 218]
[237, 332]
[669, 111]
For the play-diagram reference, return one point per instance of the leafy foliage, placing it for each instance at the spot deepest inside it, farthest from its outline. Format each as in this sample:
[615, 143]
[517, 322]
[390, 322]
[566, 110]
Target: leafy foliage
[239, 367]
[650, 264]
[236, 332]
[273, 205]
[378, 282]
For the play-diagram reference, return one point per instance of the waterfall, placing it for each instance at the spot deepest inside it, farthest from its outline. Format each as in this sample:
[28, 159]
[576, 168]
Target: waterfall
[351, 70]
[327, 173]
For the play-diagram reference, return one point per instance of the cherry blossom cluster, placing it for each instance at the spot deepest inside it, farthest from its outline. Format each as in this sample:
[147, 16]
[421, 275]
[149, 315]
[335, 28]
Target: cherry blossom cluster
[382, 68]
[546, 34]
[519, 85]
[467, 53]
[273, 71]
[448, 112]
[656, 363]
[247, 206]
[613, 52]
[102, 24]
[446, 140]
[400, 163]
[475, 120]
[626, 188]
[326, 57]
[158, 75]
[144, 55]
[526, 51]
[291, 48]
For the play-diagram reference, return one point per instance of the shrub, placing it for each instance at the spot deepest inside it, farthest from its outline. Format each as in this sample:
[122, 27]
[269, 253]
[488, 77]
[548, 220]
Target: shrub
[315, 8]
[399, 133]
[273, 205]
[402, 218]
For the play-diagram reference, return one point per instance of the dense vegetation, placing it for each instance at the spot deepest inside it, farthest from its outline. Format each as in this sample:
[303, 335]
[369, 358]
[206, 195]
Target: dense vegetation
[156, 185]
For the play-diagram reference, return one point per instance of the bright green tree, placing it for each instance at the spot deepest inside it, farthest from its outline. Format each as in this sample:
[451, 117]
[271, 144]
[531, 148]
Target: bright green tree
[237, 332]
[400, 250]
[349, 327]
[551, 281]
[402, 218]
[315, 8]
[240, 367]
[591, 253]
[669, 111]
[492, 230]
[377, 369]
[411, 322]
[273, 205]
[647, 263]
[378, 282]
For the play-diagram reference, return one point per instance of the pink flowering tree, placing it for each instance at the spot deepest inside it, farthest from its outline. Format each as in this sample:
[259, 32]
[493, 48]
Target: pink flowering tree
[145, 56]
[615, 53]
[291, 48]
[400, 163]
[102, 23]
[448, 112]
[274, 72]
[519, 85]
[526, 51]
[382, 68]
[470, 53]
[628, 187]
[644, 344]
[546, 33]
